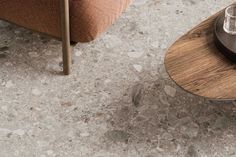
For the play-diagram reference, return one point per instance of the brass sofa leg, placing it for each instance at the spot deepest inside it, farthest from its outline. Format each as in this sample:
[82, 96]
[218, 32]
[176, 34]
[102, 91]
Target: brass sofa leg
[65, 34]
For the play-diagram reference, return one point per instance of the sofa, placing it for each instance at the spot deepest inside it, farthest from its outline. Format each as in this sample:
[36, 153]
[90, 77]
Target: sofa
[67, 20]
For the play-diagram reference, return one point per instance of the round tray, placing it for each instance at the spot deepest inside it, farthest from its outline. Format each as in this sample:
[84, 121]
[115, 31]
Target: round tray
[225, 42]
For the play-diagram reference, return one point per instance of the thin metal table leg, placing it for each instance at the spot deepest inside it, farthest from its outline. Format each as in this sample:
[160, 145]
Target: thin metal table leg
[65, 34]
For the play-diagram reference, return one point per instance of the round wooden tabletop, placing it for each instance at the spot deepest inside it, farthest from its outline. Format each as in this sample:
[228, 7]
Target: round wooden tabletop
[196, 65]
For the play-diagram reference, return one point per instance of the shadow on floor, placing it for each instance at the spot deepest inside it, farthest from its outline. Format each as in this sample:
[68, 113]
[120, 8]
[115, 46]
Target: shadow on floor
[148, 115]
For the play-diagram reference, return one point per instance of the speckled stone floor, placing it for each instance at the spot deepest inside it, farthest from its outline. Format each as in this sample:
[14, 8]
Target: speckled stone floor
[119, 101]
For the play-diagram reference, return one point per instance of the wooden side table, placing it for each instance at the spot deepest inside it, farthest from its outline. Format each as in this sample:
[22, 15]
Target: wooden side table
[197, 66]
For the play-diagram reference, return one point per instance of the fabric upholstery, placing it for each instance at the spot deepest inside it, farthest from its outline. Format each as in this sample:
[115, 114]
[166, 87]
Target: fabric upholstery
[89, 18]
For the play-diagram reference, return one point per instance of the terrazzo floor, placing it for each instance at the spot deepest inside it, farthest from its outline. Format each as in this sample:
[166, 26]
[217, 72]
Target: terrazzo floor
[119, 100]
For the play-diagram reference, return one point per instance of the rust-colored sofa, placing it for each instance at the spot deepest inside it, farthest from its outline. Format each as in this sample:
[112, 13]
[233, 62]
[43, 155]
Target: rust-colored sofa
[87, 18]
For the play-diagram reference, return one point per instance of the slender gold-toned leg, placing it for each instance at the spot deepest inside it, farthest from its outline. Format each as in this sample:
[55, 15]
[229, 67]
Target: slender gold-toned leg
[65, 34]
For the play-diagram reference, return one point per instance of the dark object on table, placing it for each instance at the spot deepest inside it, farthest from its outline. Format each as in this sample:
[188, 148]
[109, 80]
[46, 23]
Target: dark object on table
[225, 42]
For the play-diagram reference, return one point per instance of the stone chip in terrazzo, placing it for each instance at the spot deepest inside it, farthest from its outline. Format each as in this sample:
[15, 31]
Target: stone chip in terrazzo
[36, 92]
[78, 52]
[135, 54]
[4, 108]
[137, 67]
[9, 84]
[84, 134]
[19, 132]
[33, 54]
[170, 91]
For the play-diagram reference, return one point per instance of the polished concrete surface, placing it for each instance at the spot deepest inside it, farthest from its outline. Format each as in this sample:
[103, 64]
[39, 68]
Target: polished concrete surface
[119, 100]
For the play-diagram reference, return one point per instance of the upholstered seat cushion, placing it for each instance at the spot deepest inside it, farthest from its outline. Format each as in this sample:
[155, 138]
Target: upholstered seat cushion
[89, 18]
